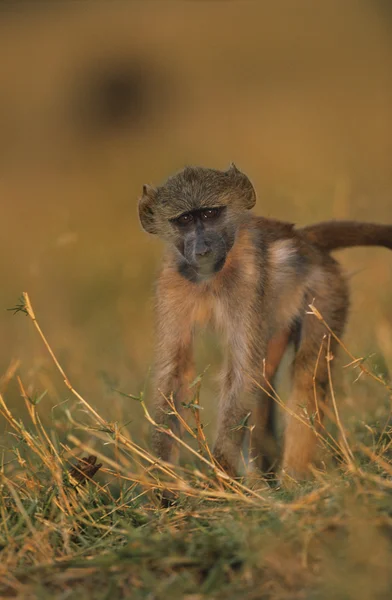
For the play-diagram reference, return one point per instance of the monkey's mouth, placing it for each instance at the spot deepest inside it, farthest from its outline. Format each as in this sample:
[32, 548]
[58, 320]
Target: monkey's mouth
[201, 268]
[207, 266]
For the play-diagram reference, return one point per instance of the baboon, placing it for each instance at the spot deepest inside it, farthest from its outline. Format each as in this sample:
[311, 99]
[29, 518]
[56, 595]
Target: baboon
[253, 278]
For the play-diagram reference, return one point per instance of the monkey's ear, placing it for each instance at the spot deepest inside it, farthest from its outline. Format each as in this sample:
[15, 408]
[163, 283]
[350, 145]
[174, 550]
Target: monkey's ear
[232, 168]
[146, 209]
[243, 185]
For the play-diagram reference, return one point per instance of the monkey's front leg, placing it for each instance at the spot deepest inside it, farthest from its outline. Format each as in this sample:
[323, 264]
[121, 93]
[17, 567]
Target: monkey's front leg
[173, 373]
[237, 400]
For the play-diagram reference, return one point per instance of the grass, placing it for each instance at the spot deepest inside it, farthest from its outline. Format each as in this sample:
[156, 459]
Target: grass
[94, 527]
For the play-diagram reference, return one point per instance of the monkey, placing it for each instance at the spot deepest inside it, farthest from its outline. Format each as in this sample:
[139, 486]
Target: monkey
[252, 278]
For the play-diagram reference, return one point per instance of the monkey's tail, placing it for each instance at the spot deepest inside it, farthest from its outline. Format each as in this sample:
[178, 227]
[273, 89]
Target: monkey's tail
[332, 235]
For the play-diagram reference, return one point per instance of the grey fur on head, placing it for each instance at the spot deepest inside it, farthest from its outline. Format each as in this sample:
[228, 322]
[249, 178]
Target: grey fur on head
[194, 188]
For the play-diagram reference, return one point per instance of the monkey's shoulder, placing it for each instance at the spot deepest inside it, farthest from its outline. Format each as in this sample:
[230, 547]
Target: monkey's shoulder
[286, 246]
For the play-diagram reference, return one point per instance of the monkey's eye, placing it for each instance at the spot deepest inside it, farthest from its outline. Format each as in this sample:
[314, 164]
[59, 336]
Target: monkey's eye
[185, 219]
[210, 213]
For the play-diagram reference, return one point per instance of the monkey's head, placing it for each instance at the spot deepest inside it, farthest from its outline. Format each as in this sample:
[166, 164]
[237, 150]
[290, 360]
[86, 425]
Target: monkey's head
[198, 211]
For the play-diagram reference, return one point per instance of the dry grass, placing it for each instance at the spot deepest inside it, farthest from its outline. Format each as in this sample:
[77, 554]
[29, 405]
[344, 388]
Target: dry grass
[66, 530]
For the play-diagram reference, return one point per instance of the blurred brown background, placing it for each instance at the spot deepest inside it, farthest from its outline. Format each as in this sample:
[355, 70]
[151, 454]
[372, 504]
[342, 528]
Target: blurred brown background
[97, 99]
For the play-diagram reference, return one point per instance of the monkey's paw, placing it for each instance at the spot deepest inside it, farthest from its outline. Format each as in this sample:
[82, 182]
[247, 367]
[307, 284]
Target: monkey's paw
[256, 481]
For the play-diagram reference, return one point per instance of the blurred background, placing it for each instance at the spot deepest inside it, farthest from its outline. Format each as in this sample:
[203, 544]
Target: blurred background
[99, 98]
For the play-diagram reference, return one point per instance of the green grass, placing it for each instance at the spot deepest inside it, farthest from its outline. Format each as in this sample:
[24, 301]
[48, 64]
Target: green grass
[106, 535]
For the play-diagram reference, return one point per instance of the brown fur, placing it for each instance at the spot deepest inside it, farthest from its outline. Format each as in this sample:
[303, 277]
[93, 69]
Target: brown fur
[333, 235]
[258, 300]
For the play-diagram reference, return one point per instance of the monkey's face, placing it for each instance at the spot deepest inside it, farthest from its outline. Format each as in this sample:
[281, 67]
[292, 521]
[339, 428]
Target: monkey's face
[198, 212]
[202, 240]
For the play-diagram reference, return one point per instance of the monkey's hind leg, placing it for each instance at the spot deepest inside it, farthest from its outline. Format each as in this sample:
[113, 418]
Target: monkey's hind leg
[309, 387]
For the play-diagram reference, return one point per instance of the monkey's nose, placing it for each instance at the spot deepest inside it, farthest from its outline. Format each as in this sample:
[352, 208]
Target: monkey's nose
[203, 251]
[202, 248]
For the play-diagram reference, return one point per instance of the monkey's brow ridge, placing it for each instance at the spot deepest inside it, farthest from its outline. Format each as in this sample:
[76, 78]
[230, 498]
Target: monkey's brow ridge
[195, 211]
